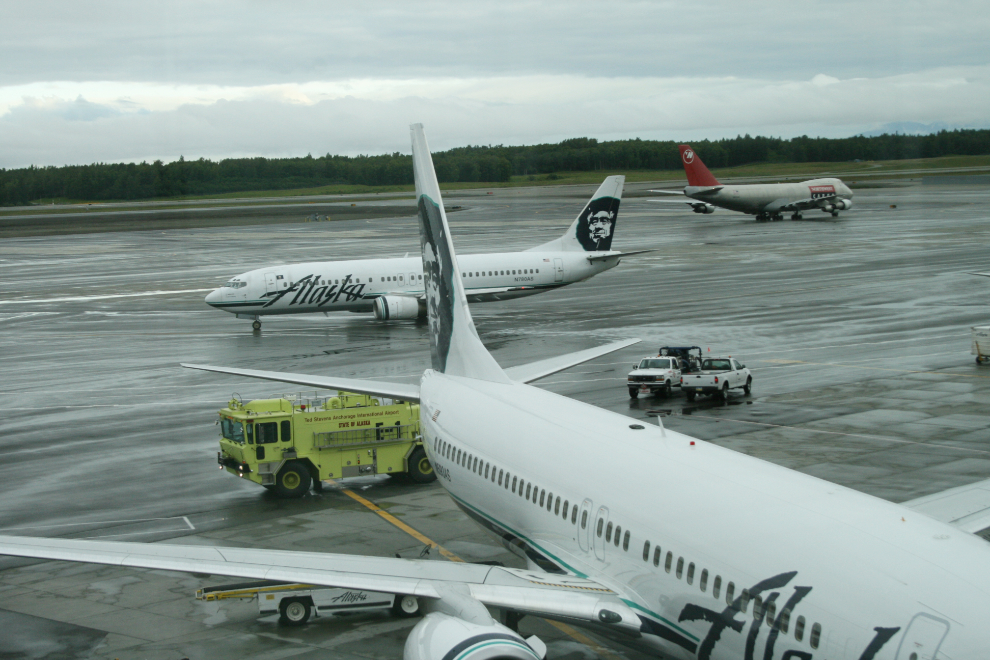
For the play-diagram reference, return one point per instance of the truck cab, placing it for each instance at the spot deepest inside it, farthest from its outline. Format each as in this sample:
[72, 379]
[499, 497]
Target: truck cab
[290, 443]
[654, 375]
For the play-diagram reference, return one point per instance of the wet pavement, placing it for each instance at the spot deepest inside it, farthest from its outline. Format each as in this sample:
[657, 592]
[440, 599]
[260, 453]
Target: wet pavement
[856, 330]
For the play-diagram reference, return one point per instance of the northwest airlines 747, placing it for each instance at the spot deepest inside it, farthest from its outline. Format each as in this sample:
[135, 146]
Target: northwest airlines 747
[689, 551]
[394, 288]
[767, 201]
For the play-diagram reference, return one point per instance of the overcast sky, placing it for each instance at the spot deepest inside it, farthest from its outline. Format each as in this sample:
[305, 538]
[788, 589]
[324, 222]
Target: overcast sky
[131, 81]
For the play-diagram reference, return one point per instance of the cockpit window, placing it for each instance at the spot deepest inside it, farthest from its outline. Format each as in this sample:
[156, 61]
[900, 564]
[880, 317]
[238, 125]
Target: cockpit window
[233, 284]
[656, 363]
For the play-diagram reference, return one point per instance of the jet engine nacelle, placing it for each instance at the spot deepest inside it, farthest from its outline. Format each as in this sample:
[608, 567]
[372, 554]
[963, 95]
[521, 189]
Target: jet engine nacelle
[704, 208]
[388, 308]
[843, 204]
[441, 635]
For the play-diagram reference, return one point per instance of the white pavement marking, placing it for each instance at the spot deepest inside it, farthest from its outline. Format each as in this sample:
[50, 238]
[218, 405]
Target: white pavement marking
[104, 297]
[100, 522]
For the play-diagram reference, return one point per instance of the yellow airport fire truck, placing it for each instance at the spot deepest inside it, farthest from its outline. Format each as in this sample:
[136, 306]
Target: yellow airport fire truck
[291, 443]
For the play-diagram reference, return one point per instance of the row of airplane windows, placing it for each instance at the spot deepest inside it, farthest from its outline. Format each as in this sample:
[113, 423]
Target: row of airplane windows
[492, 273]
[553, 504]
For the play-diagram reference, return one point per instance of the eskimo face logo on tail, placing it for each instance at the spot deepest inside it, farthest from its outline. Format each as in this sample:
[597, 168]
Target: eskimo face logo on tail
[688, 156]
[438, 271]
[597, 223]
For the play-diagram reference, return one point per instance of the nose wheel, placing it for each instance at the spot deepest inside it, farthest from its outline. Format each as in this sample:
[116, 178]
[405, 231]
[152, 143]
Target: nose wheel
[256, 325]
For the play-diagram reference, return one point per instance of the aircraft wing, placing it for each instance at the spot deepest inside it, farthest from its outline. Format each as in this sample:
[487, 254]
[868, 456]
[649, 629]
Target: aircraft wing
[554, 596]
[981, 274]
[805, 204]
[527, 373]
[965, 507]
[361, 386]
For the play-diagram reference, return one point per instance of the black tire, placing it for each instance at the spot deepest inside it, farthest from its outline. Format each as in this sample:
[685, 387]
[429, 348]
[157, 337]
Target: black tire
[748, 387]
[294, 611]
[634, 393]
[420, 469]
[689, 396]
[724, 393]
[256, 325]
[980, 360]
[293, 480]
[668, 390]
[405, 606]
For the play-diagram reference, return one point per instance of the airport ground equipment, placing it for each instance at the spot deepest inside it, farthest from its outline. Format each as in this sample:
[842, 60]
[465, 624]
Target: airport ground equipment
[981, 343]
[690, 356]
[654, 375]
[295, 604]
[293, 442]
[717, 376]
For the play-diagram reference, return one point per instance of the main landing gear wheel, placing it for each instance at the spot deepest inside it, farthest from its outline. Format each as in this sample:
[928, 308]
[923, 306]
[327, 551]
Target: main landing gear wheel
[294, 611]
[293, 480]
[748, 387]
[256, 325]
[420, 469]
[405, 606]
[796, 216]
[634, 393]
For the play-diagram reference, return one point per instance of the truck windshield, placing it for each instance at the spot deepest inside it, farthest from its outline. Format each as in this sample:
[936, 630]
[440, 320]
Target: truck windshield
[232, 430]
[715, 365]
[656, 363]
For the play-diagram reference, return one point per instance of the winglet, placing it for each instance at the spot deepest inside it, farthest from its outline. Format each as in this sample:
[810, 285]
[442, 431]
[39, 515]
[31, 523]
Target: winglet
[697, 173]
[454, 344]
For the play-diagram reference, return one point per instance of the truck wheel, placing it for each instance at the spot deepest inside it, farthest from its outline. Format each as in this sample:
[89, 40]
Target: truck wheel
[668, 390]
[420, 469]
[634, 393]
[405, 606]
[724, 394]
[294, 611]
[689, 396]
[748, 387]
[292, 480]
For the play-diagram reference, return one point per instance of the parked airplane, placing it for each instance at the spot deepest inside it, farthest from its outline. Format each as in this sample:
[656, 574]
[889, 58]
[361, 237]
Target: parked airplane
[685, 549]
[767, 201]
[393, 288]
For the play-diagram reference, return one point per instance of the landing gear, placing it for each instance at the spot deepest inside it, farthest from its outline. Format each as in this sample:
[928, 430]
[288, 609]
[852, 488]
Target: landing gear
[776, 216]
[256, 325]
[835, 214]
[761, 217]
[796, 216]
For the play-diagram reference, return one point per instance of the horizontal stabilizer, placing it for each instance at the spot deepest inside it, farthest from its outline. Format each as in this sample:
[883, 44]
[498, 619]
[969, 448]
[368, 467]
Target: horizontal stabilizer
[611, 255]
[515, 589]
[380, 388]
[679, 193]
[965, 507]
[527, 373]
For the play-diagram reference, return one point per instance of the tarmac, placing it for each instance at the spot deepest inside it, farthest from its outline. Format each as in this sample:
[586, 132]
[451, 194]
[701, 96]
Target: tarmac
[856, 330]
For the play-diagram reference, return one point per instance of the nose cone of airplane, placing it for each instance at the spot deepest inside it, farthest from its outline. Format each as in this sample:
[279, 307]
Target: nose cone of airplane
[214, 297]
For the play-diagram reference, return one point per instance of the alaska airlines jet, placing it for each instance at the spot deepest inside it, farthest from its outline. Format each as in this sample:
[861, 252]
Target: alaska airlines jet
[393, 288]
[767, 201]
[688, 550]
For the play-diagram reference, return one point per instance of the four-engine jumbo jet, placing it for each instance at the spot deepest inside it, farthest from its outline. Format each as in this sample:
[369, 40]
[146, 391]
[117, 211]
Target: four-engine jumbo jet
[689, 551]
[393, 288]
[767, 201]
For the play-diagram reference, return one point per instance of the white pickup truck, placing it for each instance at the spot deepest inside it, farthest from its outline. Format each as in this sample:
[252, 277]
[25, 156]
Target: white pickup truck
[654, 375]
[717, 377]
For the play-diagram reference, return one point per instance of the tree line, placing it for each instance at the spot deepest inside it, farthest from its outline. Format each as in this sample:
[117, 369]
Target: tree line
[483, 164]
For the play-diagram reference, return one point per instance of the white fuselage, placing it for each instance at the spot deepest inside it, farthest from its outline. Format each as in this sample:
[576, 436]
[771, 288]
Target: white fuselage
[352, 286]
[770, 197]
[857, 573]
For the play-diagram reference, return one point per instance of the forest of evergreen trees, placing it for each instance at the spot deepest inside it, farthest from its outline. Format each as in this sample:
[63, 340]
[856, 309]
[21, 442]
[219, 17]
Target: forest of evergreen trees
[105, 181]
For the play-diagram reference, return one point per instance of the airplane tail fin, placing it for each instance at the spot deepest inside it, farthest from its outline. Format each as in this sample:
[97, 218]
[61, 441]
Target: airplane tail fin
[454, 344]
[697, 173]
[594, 227]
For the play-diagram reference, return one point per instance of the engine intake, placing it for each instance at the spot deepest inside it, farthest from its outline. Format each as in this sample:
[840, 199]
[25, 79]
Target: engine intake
[388, 308]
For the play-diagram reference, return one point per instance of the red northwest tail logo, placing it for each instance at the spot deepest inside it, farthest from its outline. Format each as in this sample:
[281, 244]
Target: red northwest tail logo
[697, 173]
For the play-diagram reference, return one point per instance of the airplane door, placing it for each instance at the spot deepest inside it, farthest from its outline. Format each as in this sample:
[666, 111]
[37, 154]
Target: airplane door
[584, 524]
[269, 282]
[598, 533]
[922, 638]
[558, 270]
